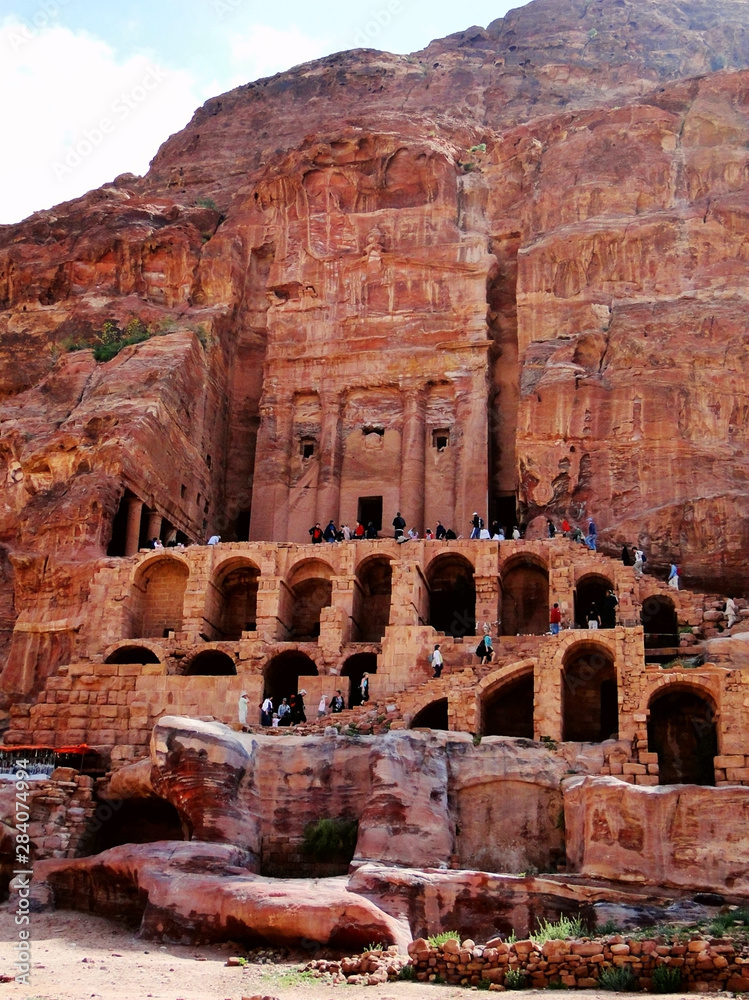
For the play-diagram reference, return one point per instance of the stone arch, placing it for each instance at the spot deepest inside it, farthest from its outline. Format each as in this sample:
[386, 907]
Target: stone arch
[372, 597]
[282, 672]
[135, 821]
[682, 731]
[158, 596]
[354, 668]
[130, 652]
[211, 663]
[660, 622]
[310, 586]
[452, 594]
[433, 715]
[589, 693]
[507, 702]
[591, 589]
[524, 581]
[231, 601]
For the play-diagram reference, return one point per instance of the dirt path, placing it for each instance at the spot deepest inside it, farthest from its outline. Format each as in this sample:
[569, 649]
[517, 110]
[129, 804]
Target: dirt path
[75, 956]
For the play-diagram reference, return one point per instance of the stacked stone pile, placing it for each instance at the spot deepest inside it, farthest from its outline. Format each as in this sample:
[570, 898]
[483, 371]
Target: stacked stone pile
[371, 968]
[706, 964]
[61, 812]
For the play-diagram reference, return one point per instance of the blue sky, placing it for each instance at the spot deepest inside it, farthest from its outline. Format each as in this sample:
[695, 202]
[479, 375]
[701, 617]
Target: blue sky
[91, 88]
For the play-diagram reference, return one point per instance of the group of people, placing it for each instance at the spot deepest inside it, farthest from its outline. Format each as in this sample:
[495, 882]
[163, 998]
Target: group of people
[574, 533]
[291, 711]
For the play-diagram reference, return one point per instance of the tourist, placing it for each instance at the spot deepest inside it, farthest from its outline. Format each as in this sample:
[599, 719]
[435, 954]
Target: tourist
[293, 715]
[639, 562]
[673, 576]
[576, 535]
[477, 523]
[284, 713]
[485, 649]
[330, 532]
[301, 715]
[428, 535]
[336, 704]
[214, 539]
[266, 711]
[346, 532]
[364, 688]
[440, 531]
[730, 612]
[316, 534]
[593, 617]
[371, 530]
[244, 703]
[516, 533]
[413, 534]
[450, 535]
[156, 543]
[608, 614]
[399, 524]
[590, 538]
[322, 708]
[565, 528]
[359, 531]
[551, 528]
[436, 661]
[555, 620]
[494, 531]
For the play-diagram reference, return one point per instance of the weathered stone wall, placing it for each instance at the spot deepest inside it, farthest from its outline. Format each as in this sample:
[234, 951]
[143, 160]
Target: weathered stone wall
[705, 965]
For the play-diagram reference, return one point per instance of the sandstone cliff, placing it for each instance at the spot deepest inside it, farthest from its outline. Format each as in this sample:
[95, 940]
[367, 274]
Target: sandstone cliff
[533, 236]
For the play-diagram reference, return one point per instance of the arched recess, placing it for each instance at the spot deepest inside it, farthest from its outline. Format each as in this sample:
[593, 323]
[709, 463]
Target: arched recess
[452, 595]
[135, 821]
[310, 586]
[211, 663]
[590, 590]
[131, 653]
[525, 597]
[507, 707]
[234, 594]
[158, 595]
[372, 598]
[590, 711]
[282, 672]
[432, 716]
[682, 731]
[354, 668]
[660, 622]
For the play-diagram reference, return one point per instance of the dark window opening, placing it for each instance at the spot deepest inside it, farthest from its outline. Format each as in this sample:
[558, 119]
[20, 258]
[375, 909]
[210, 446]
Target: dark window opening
[208, 461]
[212, 663]
[242, 529]
[183, 491]
[370, 509]
[505, 512]
[380, 431]
[682, 731]
[307, 448]
[132, 654]
[508, 711]
[354, 669]
[440, 439]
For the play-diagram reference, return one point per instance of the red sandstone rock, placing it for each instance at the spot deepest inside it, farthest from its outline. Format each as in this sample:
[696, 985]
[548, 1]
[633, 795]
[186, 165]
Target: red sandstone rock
[203, 892]
[670, 836]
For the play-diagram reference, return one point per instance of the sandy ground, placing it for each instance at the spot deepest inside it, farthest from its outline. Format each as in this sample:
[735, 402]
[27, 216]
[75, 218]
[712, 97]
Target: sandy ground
[75, 956]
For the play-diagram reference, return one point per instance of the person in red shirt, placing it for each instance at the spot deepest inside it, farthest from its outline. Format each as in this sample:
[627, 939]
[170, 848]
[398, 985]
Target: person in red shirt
[555, 620]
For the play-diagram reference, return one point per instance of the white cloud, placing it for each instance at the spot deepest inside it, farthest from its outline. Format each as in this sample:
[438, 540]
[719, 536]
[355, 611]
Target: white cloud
[262, 50]
[74, 116]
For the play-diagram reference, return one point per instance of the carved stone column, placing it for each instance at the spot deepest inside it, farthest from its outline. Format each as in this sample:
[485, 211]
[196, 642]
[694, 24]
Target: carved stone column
[328, 502]
[270, 492]
[132, 530]
[413, 452]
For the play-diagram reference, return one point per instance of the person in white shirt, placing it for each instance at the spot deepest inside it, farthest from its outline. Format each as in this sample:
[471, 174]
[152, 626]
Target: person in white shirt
[266, 712]
[243, 705]
[322, 708]
[214, 539]
[437, 661]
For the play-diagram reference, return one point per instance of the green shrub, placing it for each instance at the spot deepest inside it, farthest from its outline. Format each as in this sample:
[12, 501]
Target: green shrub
[206, 203]
[515, 979]
[618, 979]
[407, 972]
[328, 839]
[437, 940]
[560, 930]
[555, 984]
[610, 927]
[666, 979]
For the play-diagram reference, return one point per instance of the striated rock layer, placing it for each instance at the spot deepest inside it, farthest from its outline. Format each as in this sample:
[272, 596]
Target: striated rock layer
[364, 276]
